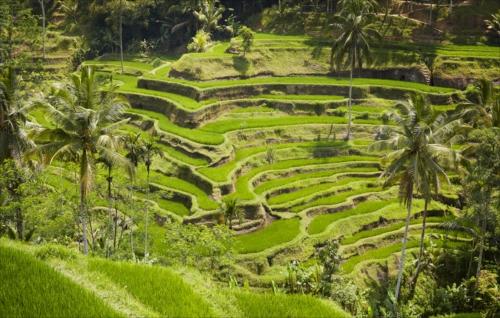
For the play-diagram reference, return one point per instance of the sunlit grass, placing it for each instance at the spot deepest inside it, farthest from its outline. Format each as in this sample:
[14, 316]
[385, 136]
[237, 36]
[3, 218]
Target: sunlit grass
[312, 189]
[156, 287]
[30, 288]
[321, 222]
[255, 305]
[277, 232]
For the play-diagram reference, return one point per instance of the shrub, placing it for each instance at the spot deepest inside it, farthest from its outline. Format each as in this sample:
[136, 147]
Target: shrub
[200, 246]
[200, 42]
[363, 116]
[49, 251]
[247, 37]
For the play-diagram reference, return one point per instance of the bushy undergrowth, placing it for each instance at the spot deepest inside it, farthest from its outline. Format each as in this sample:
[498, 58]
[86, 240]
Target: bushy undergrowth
[29, 288]
[54, 251]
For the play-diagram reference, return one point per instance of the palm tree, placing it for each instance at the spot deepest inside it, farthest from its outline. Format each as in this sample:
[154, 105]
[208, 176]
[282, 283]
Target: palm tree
[111, 159]
[14, 140]
[133, 145]
[416, 161]
[86, 117]
[149, 151]
[208, 14]
[231, 211]
[485, 111]
[352, 46]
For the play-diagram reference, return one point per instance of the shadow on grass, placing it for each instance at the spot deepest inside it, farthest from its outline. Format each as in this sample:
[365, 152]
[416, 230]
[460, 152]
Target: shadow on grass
[241, 64]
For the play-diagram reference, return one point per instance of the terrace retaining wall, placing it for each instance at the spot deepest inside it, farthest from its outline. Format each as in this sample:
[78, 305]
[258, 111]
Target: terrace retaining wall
[245, 91]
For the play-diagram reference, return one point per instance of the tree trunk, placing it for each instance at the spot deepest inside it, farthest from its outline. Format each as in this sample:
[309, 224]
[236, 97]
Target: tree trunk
[422, 234]
[19, 224]
[146, 243]
[349, 108]
[430, 14]
[83, 192]
[481, 250]
[121, 35]
[115, 227]
[44, 21]
[403, 253]
[418, 268]
[109, 179]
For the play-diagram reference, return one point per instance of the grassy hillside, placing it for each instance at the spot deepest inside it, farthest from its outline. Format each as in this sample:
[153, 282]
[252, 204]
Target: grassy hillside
[31, 288]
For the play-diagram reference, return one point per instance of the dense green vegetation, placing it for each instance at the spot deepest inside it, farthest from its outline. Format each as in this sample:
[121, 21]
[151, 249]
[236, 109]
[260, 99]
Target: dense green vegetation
[223, 158]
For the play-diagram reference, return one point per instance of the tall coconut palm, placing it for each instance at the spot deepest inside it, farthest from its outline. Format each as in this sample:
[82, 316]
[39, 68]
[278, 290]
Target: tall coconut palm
[352, 47]
[86, 116]
[14, 140]
[416, 161]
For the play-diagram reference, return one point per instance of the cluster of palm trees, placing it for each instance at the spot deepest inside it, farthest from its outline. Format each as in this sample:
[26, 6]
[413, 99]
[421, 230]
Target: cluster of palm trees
[86, 128]
[422, 153]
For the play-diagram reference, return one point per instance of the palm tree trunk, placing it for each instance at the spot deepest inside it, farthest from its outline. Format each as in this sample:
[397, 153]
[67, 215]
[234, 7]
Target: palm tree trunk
[115, 221]
[418, 268]
[430, 14]
[19, 223]
[146, 223]
[481, 250]
[109, 179]
[121, 35]
[83, 192]
[349, 109]
[422, 234]
[84, 227]
[132, 243]
[403, 252]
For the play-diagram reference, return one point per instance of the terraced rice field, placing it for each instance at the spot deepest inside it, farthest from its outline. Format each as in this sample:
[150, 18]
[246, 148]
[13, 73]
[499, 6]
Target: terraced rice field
[276, 145]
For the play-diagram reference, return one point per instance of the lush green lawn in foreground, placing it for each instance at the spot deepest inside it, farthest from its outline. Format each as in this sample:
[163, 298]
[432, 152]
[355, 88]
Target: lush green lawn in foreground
[30, 288]
[255, 305]
[156, 287]
[276, 233]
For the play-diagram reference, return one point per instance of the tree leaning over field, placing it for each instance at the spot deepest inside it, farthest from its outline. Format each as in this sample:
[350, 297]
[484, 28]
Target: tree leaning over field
[86, 116]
